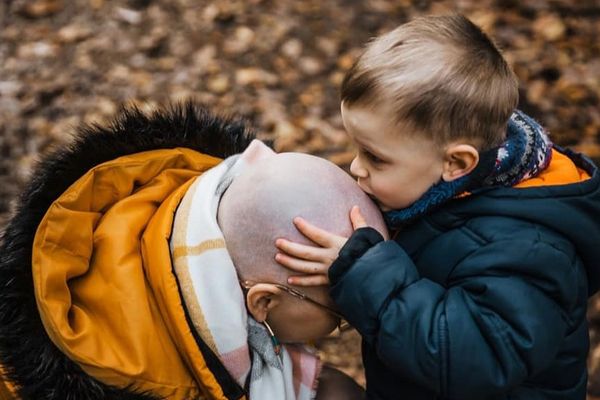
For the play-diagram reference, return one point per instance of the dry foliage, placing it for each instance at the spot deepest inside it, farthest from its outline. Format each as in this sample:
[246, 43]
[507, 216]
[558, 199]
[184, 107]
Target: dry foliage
[278, 63]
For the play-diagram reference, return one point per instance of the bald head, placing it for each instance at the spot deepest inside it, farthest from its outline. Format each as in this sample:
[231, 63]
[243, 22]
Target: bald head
[261, 203]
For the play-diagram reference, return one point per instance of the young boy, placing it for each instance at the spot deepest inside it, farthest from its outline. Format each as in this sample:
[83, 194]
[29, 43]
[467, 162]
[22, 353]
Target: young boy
[482, 292]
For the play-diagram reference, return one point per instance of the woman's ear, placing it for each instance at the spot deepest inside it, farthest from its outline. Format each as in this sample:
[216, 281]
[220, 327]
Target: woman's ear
[261, 299]
[459, 160]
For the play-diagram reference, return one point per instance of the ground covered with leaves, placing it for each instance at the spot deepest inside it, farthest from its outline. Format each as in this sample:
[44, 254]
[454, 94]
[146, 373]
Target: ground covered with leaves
[277, 63]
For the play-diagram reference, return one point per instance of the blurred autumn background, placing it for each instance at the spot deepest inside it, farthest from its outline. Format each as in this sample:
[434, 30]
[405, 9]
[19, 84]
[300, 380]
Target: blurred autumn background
[277, 63]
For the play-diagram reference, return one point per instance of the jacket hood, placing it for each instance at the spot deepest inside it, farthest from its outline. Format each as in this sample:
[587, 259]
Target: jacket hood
[565, 198]
[96, 312]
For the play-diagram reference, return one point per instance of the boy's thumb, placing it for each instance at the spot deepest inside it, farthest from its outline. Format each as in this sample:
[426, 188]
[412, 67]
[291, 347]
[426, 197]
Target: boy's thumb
[357, 219]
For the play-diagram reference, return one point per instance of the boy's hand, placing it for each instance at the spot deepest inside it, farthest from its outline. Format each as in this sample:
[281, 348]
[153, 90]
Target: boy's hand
[312, 260]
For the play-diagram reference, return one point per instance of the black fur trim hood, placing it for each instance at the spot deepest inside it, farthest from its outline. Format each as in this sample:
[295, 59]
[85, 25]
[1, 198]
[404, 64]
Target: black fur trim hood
[30, 359]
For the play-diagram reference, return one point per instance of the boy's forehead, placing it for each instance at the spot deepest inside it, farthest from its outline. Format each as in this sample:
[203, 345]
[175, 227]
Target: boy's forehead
[370, 120]
[358, 115]
[376, 130]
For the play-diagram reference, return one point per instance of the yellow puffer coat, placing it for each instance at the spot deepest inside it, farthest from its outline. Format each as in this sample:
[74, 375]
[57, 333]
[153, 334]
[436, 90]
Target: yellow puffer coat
[104, 284]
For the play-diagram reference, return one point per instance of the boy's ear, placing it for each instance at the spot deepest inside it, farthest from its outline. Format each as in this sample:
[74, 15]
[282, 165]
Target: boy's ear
[261, 299]
[459, 160]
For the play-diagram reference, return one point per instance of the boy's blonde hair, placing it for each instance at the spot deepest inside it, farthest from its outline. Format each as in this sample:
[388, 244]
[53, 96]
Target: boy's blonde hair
[442, 76]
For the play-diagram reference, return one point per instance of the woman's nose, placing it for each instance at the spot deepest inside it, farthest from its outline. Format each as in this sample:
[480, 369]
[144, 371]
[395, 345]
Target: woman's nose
[357, 169]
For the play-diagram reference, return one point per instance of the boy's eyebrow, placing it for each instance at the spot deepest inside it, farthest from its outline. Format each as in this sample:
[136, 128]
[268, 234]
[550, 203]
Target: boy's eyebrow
[369, 149]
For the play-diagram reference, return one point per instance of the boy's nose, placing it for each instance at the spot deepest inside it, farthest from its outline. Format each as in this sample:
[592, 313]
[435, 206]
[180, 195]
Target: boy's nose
[357, 169]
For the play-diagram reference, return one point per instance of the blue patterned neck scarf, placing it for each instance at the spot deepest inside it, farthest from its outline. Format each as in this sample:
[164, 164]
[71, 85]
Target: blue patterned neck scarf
[525, 153]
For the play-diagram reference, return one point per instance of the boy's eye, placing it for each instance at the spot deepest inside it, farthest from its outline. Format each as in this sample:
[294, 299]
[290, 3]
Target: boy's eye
[372, 157]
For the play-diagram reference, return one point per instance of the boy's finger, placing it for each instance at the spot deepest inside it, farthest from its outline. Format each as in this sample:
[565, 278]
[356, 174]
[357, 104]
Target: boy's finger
[309, 280]
[358, 221]
[302, 251]
[307, 267]
[317, 235]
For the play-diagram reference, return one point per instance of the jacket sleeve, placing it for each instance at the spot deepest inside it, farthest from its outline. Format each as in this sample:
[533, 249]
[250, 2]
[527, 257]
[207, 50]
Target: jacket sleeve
[492, 326]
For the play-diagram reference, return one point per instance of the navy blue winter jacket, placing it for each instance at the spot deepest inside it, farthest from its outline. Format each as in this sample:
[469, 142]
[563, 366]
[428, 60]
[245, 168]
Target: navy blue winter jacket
[484, 298]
